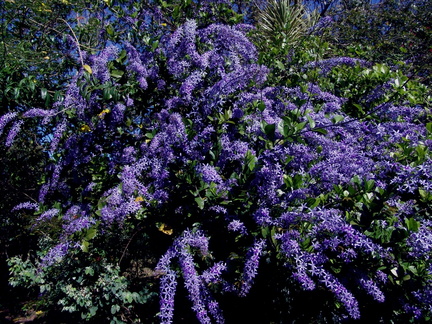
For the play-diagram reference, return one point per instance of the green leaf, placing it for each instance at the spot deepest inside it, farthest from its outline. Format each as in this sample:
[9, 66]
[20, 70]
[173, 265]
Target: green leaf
[44, 93]
[412, 224]
[89, 271]
[337, 118]
[93, 310]
[91, 233]
[117, 74]
[84, 246]
[369, 185]
[128, 297]
[110, 30]
[311, 122]
[280, 65]
[115, 309]
[269, 129]
[320, 130]
[426, 196]
[300, 126]
[16, 93]
[200, 201]
[251, 160]
[265, 232]
[155, 44]
[107, 93]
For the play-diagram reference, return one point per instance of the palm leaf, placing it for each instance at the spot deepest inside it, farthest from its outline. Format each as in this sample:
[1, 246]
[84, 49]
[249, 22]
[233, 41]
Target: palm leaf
[281, 22]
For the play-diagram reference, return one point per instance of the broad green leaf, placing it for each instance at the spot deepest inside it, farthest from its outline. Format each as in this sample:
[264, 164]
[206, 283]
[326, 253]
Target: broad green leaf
[84, 246]
[338, 118]
[200, 201]
[412, 224]
[311, 122]
[117, 73]
[91, 233]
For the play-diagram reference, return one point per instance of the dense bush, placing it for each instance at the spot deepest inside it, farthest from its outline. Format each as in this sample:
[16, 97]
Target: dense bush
[190, 175]
[389, 31]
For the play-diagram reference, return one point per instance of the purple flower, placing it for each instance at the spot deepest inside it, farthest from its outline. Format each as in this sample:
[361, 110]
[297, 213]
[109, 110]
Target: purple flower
[79, 223]
[73, 99]
[268, 180]
[139, 64]
[196, 285]
[372, 289]
[168, 285]
[99, 62]
[193, 285]
[57, 253]
[323, 23]
[43, 191]
[16, 127]
[420, 241]
[237, 226]
[213, 274]
[37, 112]
[262, 217]
[209, 173]
[303, 278]
[5, 119]
[342, 294]
[27, 205]
[46, 216]
[251, 266]
[190, 84]
[128, 155]
[117, 113]
[327, 65]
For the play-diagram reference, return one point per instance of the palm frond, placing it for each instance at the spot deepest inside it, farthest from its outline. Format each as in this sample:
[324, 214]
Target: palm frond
[279, 20]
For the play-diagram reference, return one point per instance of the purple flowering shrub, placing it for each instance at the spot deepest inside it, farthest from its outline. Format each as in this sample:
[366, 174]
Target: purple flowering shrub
[186, 158]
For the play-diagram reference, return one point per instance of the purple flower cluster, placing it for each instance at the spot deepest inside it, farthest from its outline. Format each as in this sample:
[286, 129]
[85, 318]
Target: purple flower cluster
[168, 285]
[38, 112]
[197, 285]
[251, 266]
[73, 99]
[98, 62]
[15, 129]
[209, 173]
[237, 226]
[139, 64]
[371, 288]
[47, 215]
[329, 235]
[58, 133]
[323, 23]
[420, 242]
[327, 65]
[5, 119]
[57, 253]
[226, 63]
[27, 205]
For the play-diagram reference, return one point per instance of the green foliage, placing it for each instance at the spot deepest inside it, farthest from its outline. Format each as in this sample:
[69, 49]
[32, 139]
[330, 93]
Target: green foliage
[97, 290]
[388, 31]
